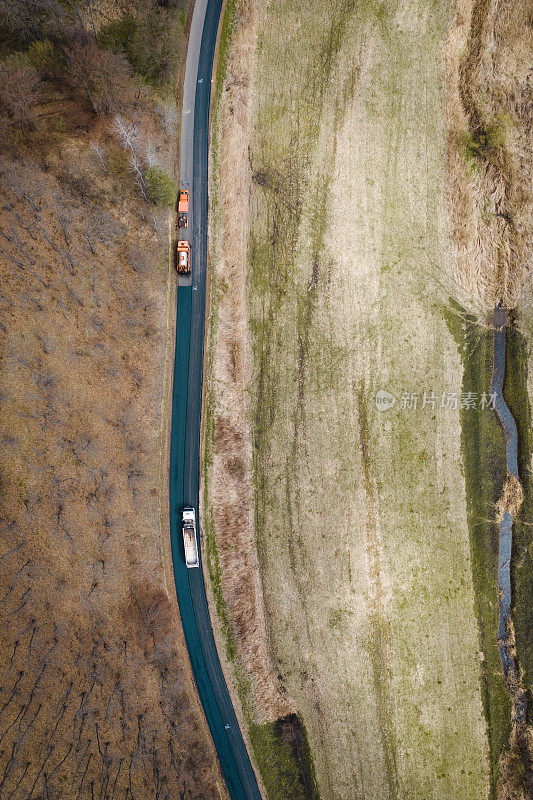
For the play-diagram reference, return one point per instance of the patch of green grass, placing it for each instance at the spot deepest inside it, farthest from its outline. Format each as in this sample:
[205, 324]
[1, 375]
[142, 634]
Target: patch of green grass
[516, 396]
[226, 36]
[284, 758]
[483, 450]
[481, 143]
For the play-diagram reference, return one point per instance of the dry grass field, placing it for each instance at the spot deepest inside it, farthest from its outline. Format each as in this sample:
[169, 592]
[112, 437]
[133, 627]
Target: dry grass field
[360, 515]
[490, 149]
[385, 192]
[360, 522]
[229, 500]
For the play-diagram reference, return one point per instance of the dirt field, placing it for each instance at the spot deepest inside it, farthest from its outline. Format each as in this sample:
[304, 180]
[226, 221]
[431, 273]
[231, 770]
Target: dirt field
[96, 696]
[360, 514]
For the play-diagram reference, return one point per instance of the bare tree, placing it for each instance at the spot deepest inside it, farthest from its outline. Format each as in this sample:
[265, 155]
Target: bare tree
[18, 92]
[151, 155]
[97, 149]
[28, 20]
[169, 114]
[129, 138]
[103, 76]
[127, 133]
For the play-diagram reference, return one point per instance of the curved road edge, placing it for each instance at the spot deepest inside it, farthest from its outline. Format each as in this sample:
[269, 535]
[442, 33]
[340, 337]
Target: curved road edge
[184, 474]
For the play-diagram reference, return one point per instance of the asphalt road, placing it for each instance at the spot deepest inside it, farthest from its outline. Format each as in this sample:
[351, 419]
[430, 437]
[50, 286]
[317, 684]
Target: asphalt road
[184, 476]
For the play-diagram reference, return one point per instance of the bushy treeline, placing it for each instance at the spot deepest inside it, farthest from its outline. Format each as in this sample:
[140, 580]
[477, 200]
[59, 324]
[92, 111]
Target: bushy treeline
[73, 50]
[142, 32]
[73, 44]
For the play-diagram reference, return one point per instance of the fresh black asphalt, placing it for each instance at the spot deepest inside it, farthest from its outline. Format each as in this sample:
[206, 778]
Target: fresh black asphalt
[185, 450]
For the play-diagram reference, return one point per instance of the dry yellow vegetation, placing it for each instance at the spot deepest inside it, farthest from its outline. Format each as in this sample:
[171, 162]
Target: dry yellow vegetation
[360, 516]
[490, 160]
[97, 697]
[96, 692]
[490, 149]
[230, 497]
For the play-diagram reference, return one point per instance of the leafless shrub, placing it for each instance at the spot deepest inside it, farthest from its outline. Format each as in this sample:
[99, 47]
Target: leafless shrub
[169, 116]
[129, 137]
[101, 227]
[98, 151]
[103, 76]
[18, 92]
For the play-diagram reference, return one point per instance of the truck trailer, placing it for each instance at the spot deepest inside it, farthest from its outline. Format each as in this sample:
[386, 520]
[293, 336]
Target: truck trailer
[183, 202]
[183, 209]
[190, 543]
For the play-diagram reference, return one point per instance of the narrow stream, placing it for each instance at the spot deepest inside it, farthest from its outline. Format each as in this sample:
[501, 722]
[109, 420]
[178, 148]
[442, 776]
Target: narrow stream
[506, 639]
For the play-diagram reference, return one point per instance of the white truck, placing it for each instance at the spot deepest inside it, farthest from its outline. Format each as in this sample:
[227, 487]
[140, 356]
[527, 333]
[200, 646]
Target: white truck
[188, 527]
